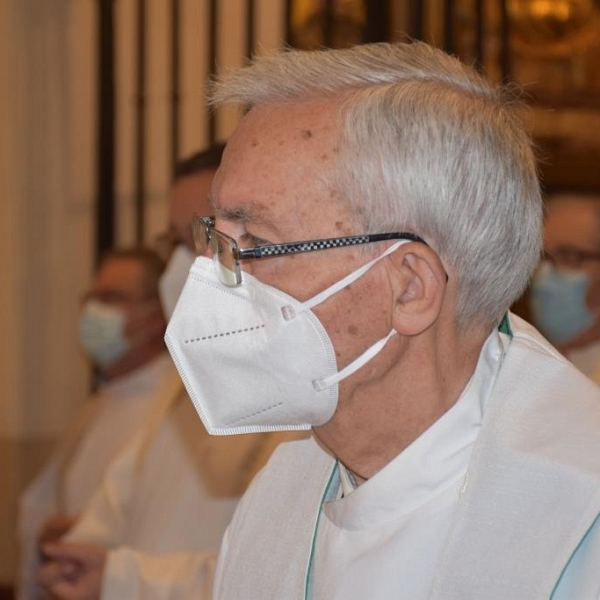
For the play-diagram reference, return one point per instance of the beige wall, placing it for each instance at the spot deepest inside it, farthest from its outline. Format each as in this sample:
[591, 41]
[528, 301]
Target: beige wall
[45, 241]
[47, 161]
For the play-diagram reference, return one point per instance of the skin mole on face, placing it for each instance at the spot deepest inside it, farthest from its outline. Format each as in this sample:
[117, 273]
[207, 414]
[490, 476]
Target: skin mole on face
[254, 143]
[306, 134]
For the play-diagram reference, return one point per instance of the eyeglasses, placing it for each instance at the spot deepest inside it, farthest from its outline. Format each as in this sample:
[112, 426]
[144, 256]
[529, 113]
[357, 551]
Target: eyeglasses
[568, 257]
[227, 254]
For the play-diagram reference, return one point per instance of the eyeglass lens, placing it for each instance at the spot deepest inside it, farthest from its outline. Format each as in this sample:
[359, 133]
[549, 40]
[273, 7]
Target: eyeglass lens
[223, 252]
[222, 248]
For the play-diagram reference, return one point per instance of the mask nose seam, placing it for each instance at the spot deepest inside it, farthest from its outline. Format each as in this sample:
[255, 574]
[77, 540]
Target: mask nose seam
[223, 334]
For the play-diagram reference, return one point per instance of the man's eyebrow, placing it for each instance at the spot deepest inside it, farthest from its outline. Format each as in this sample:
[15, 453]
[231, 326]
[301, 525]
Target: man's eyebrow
[235, 214]
[252, 213]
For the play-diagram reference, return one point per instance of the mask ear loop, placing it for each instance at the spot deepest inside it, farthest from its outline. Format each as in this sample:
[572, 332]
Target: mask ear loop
[289, 312]
[363, 359]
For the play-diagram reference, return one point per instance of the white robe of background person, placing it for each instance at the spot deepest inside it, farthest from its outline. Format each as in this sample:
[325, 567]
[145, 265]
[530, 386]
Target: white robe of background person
[166, 501]
[108, 421]
[518, 520]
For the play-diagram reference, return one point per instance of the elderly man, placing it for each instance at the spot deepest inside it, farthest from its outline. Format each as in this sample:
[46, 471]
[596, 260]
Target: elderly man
[565, 291]
[376, 213]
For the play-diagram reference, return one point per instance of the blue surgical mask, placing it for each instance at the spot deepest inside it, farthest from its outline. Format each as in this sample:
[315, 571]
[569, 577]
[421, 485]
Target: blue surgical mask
[101, 333]
[558, 303]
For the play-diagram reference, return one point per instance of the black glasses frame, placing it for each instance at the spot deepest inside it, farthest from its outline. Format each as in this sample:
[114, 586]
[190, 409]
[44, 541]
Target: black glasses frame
[266, 250]
[204, 226]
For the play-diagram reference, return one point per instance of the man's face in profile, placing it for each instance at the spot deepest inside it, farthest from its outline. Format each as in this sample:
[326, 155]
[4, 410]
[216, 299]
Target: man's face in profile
[275, 185]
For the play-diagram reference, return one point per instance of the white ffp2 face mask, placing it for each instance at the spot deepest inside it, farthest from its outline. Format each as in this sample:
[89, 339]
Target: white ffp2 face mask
[254, 359]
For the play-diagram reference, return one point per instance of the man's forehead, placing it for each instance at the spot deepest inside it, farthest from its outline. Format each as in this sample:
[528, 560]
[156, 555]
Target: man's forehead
[289, 128]
[271, 149]
[278, 170]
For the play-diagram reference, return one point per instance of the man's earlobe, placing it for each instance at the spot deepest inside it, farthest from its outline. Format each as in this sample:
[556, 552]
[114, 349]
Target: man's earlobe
[419, 288]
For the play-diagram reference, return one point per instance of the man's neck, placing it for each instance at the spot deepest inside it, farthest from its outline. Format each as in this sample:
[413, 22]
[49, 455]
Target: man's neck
[377, 419]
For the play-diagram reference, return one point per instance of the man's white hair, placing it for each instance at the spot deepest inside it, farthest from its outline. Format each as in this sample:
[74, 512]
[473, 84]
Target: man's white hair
[429, 146]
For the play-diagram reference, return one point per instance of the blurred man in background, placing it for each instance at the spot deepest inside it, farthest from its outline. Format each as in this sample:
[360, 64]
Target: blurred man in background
[121, 330]
[565, 291]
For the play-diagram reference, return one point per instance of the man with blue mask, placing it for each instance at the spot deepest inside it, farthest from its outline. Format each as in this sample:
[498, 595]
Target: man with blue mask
[121, 331]
[122, 320]
[375, 215]
[565, 290]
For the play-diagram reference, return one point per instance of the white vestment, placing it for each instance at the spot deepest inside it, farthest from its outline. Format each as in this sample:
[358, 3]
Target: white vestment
[518, 522]
[108, 421]
[166, 501]
[405, 510]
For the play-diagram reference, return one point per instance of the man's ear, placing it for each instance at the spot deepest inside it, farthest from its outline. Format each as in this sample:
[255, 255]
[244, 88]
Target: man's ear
[418, 284]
